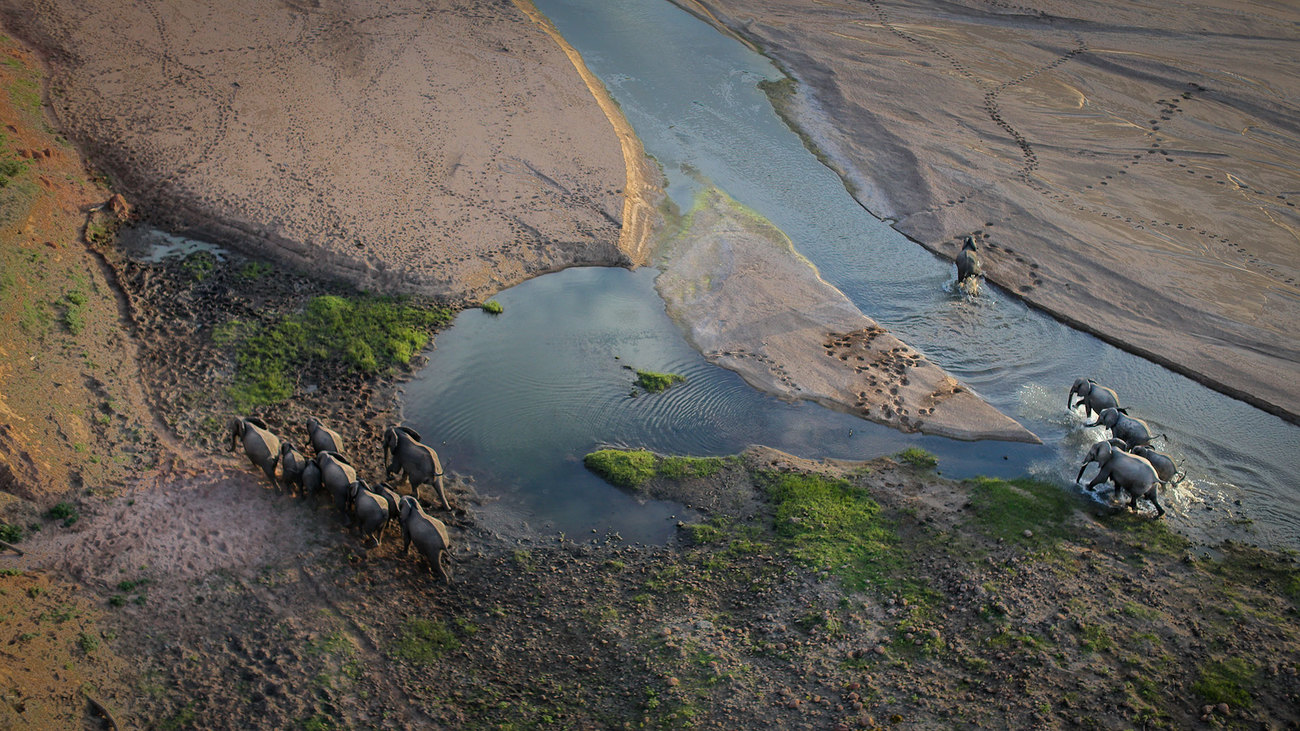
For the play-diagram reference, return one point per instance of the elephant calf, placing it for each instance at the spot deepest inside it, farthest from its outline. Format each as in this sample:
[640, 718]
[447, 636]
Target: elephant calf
[1093, 397]
[1165, 467]
[337, 476]
[429, 535]
[292, 466]
[968, 262]
[1132, 431]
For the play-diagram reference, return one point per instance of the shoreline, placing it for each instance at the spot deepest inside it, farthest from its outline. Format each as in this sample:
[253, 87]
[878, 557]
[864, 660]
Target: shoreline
[1181, 331]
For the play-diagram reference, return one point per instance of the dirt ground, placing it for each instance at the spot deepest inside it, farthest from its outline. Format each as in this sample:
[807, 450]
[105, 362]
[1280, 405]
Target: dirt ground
[1126, 166]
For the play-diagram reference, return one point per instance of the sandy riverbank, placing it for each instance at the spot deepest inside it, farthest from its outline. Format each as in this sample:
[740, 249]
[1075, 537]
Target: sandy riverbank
[1128, 167]
[450, 150]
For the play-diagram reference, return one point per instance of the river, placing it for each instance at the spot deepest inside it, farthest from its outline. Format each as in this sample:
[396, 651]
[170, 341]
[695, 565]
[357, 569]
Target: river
[516, 400]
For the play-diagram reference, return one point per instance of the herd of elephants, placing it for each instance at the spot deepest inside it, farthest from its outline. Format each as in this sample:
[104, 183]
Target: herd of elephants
[1127, 460]
[373, 507]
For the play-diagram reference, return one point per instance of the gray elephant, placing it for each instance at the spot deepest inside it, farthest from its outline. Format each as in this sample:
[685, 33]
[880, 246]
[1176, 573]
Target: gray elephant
[1128, 472]
[968, 261]
[323, 439]
[1094, 397]
[1164, 464]
[372, 511]
[429, 535]
[1132, 431]
[386, 491]
[337, 476]
[261, 446]
[292, 465]
[311, 482]
[415, 459]
[1094, 454]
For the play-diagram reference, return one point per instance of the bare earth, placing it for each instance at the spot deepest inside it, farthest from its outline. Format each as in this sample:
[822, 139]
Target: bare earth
[1130, 167]
[448, 149]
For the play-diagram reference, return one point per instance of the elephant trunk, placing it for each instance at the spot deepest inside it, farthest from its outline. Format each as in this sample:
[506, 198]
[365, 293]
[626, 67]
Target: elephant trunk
[1081, 469]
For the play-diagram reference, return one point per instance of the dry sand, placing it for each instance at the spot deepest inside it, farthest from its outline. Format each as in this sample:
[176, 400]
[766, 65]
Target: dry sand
[446, 148]
[1131, 165]
[752, 304]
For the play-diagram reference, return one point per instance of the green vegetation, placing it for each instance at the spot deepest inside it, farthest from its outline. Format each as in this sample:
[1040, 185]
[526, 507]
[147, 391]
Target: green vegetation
[492, 307]
[918, 457]
[367, 334]
[10, 166]
[67, 512]
[1007, 508]
[199, 265]
[73, 311]
[11, 533]
[87, 643]
[832, 525]
[655, 382]
[624, 468]
[632, 468]
[1228, 681]
[423, 641]
[255, 270]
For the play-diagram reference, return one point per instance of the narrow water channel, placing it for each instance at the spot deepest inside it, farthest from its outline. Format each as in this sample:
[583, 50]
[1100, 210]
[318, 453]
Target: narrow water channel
[518, 399]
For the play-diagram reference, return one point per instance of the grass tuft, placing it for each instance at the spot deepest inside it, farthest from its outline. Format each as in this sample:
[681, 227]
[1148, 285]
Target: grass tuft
[492, 307]
[918, 457]
[655, 382]
[423, 641]
[624, 468]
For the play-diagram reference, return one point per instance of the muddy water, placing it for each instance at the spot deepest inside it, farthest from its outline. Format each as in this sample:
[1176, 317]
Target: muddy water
[518, 399]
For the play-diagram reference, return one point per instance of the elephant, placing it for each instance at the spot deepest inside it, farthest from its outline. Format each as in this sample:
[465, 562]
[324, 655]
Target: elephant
[1093, 397]
[1130, 473]
[417, 460]
[311, 482]
[968, 261]
[1165, 467]
[1094, 454]
[372, 510]
[261, 446]
[386, 491]
[1132, 431]
[323, 439]
[292, 465]
[337, 475]
[429, 535]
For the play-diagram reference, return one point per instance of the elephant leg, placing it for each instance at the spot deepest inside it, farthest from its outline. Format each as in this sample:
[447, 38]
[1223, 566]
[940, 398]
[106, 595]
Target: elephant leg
[1156, 502]
[269, 469]
[442, 494]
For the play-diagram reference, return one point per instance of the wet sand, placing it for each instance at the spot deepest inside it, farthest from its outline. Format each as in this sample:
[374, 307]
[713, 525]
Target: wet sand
[1129, 168]
[450, 150]
[750, 303]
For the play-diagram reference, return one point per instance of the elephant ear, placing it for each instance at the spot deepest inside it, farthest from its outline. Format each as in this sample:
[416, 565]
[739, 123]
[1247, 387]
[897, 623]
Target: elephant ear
[257, 422]
[411, 432]
[341, 458]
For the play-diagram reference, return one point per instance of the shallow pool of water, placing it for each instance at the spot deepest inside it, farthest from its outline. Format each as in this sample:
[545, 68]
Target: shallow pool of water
[518, 400]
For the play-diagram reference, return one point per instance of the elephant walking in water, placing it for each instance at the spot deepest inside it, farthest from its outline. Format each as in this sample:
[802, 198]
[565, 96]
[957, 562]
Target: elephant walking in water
[429, 535]
[1129, 472]
[1132, 431]
[415, 459]
[968, 261]
[261, 446]
[1093, 397]
[1164, 464]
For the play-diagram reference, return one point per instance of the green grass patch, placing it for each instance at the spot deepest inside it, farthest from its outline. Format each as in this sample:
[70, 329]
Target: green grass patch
[918, 457]
[1254, 567]
[622, 467]
[10, 532]
[255, 270]
[678, 468]
[833, 525]
[1228, 681]
[423, 641]
[1007, 508]
[67, 512]
[492, 307]
[368, 335]
[656, 382]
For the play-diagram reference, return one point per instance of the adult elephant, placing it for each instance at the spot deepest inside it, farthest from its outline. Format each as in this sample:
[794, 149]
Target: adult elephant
[261, 446]
[323, 439]
[1094, 397]
[1132, 431]
[337, 476]
[414, 459]
[968, 261]
[1128, 472]
[428, 534]
[292, 466]
[372, 511]
[385, 491]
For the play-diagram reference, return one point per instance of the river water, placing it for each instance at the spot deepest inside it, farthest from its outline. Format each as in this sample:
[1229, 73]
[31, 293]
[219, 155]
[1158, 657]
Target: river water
[516, 400]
